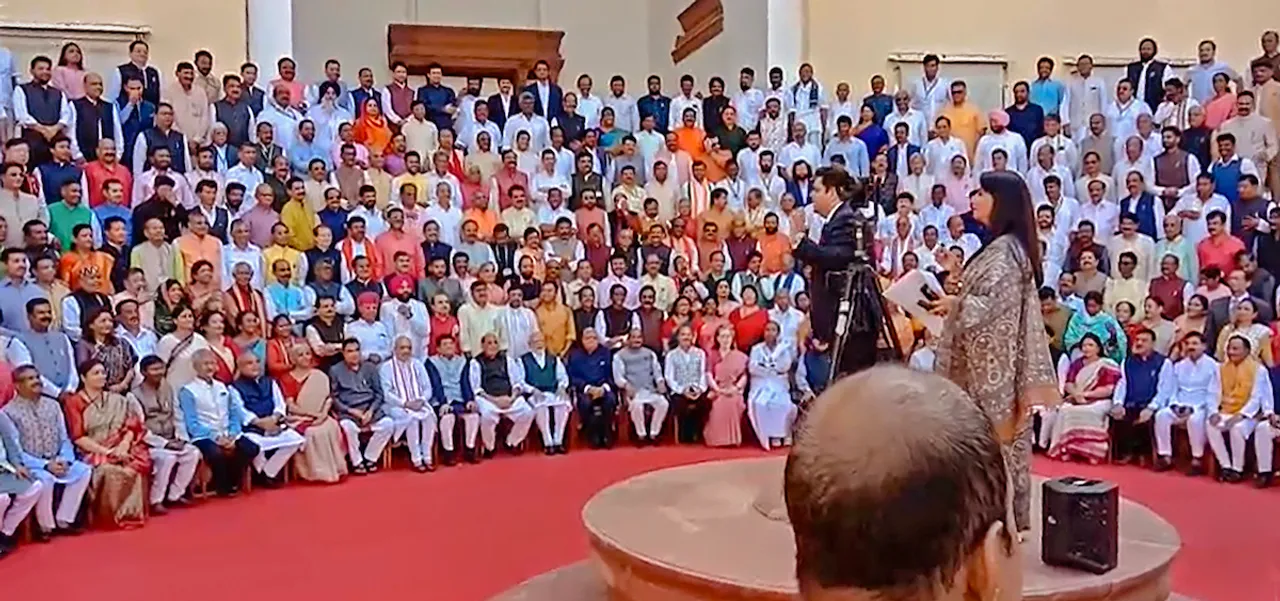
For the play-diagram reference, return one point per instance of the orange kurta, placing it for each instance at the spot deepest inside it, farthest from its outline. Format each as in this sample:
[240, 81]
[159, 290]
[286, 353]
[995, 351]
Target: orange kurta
[73, 263]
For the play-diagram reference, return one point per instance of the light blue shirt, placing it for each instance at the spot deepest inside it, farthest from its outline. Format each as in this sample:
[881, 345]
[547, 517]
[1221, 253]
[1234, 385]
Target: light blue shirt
[302, 153]
[1048, 95]
[855, 155]
[8, 76]
[1200, 78]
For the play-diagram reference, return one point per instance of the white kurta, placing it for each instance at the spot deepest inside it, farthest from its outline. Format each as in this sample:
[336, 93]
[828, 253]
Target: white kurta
[769, 406]
[538, 398]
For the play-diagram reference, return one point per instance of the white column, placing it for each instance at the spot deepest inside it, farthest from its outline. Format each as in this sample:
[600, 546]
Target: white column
[786, 32]
[270, 26]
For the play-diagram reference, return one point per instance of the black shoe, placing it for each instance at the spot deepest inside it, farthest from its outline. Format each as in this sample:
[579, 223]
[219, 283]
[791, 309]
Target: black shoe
[517, 449]
[487, 454]
[470, 456]
[71, 529]
[549, 450]
[450, 458]
[40, 535]
[371, 466]
[1197, 468]
[359, 470]
[1163, 464]
[420, 468]
[179, 503]
[7, 544]
[562, 449]
[1232, 477]
[158, 509]
[1265, 480]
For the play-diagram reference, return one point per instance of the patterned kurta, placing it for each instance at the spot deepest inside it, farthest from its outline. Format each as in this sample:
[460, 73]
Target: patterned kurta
[994, 346]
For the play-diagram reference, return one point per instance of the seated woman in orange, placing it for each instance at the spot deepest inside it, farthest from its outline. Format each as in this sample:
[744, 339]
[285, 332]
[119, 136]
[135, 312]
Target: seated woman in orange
[279, 357]
[371, 127]
[83, 255]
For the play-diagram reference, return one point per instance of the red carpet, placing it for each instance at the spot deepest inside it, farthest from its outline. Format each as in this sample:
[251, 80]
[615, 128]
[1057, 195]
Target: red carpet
[467, 533]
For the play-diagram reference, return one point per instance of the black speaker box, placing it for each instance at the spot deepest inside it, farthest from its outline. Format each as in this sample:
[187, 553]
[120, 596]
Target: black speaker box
[1081, 528]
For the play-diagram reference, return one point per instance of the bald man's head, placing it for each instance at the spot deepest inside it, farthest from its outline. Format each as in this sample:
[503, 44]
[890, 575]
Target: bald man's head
[896, 489]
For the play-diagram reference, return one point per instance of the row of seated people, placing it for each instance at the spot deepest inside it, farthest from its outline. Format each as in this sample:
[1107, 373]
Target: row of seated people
[104, 444]
[1114, 408]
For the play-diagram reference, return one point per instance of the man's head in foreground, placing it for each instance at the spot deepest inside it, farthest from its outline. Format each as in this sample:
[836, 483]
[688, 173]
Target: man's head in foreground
[897, 491]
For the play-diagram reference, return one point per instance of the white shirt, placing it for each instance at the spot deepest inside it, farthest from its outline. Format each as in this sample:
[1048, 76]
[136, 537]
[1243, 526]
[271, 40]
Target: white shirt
[806, 112]
[247, 176]
[143, 344]
[536, 125]
[625, 114]
[1012, 144]
[929, 97]
[793, 153]
[589, 106]
[233, 255]
[1195, 229]
[542, 182]
[283, 120]
[938, 154]
[374, 224]
[373, 336]
[1141, 91]
[1094, 88]
[631, 284]
[1037, 174]
[1152, 145]
[1143, 165]
[937, 216]
[748, 103]
[473, 129]
[1122, 119]
[1065, 216]
[1198, 383]
[1065, 152]
[788, 322]
[450, 222]
[917, 128]
[519, 323]
[1105, 217]
[1175, 114]
[678, 105]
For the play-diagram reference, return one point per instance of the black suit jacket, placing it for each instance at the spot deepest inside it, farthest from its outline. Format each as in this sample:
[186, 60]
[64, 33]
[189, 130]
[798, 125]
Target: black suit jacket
[832, 253]
[498, 113]
[1220, 316]
[555, 97]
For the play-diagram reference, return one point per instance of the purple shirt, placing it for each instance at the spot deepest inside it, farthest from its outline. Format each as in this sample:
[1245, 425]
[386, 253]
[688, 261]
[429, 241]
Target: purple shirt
[260, 220]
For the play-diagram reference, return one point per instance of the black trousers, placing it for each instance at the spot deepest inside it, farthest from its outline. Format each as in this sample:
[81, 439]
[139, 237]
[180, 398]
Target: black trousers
[691, 415]
[227, 465]
[598, 417]
[1131, 439]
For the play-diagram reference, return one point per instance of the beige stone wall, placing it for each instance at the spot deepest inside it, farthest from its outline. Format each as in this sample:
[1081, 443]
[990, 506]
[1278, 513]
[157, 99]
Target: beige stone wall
[177, 29]
[846, 46]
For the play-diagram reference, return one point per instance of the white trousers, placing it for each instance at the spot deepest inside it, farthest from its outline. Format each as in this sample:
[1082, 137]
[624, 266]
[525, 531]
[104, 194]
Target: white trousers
[381, 435]
[519, 413]
[284, 445]
[470, 425]
[165, 478]
[1195, 431]
[74, 485]
[546, 405]
[14, 508]
[419, 427]
[636, 405]
[1233, 458]
[1048, 417]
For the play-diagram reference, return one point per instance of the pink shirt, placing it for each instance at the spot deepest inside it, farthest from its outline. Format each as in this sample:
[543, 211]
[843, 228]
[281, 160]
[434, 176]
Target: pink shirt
[70, 80]
[1219, 109]
[391, 242]
[1219, 254]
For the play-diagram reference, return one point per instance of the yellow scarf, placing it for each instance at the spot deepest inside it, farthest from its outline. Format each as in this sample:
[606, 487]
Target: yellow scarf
[1237, 385]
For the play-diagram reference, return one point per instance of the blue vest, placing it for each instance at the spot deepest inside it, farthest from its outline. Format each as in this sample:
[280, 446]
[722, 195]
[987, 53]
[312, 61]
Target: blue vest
[1226, 179]
[257, 395]
[359, 96]
[541, 377]
[1141, 380]
[134, 124]
[53, 175]
[94, 121]
[44, 103]
[817, 370]
[173, 141]
[439, 386]
[1145, 210]
[150, 81]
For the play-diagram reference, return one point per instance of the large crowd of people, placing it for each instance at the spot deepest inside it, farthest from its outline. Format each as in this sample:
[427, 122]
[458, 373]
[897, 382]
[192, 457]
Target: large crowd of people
[286, 278]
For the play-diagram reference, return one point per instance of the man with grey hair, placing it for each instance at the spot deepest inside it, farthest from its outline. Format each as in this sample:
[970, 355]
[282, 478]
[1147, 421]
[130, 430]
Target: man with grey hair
[214, 420]
[896, 489]
[917, 128]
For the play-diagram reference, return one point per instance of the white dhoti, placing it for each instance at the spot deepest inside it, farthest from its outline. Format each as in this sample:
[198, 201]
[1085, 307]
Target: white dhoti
[1195, 431]
[1048, 417]
[1233, 457]
[15, 507]
[164, 477]
[381, 432]
[545, 405]
[419, 427]
[770, 410]
[470, 426]
[284, 445]
[636, 405]
[74, 482]
[519, 413]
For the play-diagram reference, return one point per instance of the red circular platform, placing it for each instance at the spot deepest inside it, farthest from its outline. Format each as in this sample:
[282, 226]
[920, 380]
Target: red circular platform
[718, 531]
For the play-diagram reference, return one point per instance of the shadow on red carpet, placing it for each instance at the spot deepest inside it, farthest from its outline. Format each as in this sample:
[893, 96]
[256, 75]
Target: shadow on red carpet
[467, 533]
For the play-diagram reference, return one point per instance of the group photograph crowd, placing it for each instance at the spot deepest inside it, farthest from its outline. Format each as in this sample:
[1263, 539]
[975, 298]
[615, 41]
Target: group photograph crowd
[215, 279]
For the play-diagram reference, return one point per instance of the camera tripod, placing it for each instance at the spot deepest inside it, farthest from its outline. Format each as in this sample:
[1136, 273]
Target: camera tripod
[861, 318]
